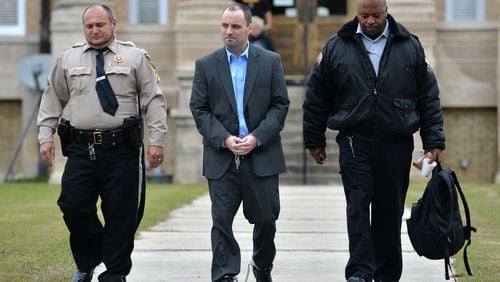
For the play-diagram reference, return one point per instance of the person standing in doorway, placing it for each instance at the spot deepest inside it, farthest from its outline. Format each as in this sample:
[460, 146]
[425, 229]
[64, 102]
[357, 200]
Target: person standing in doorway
[258, 37]
[261, 9]
[102, 86]
[239, 103]
[373, 83]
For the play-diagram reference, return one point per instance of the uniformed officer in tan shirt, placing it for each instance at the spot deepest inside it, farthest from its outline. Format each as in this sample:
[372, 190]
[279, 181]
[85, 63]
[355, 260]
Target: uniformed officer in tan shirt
[103, 158]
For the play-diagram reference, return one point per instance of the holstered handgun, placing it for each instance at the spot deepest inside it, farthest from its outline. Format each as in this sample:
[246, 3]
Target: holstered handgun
[65, 132]
[133, 125]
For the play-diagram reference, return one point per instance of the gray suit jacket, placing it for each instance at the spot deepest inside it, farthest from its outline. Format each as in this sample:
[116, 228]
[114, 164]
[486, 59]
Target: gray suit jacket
[213, 105]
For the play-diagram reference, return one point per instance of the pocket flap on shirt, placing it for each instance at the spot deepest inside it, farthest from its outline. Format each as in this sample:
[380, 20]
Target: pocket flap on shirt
[117, 70]
[79, 71]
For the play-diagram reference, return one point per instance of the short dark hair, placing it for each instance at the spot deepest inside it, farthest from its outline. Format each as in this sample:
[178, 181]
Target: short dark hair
[106, 8]
[240, 7]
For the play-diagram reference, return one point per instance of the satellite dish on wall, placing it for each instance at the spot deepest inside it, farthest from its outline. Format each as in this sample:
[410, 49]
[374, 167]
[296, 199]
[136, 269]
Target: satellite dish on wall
[33, 71]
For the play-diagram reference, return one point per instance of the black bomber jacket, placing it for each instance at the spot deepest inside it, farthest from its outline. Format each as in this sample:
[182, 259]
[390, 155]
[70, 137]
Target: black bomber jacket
[344, 93]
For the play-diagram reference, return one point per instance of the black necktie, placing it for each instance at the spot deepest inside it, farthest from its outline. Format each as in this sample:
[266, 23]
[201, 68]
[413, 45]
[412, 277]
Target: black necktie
[104, 91]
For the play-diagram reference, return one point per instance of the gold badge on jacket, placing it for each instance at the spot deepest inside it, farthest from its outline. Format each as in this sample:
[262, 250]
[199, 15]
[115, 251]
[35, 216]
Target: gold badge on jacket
[118, 58]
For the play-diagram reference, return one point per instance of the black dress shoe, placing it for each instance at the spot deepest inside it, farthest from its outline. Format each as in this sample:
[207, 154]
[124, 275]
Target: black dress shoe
[106, 277]
[227, 278]
[83, 276]
[355, 279]
[262, 275]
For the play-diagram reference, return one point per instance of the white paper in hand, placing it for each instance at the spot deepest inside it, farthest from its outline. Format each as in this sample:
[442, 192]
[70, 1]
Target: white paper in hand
[427, 167]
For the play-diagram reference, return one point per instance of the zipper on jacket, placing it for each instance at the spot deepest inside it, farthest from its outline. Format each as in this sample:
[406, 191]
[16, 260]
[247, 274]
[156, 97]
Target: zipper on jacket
[368, 66]
[350, 145]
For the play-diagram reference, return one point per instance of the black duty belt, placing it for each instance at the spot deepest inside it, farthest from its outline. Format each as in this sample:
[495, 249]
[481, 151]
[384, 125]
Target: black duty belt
[104, 138]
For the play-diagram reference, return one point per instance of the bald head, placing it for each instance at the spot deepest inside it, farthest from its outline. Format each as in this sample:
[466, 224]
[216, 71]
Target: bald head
[98, 26]
[362, 2]
[106, 8]
[372, 16]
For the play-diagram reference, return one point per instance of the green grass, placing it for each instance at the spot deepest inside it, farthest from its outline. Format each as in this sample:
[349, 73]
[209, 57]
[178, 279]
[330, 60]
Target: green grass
[484, 251]
[34, 240]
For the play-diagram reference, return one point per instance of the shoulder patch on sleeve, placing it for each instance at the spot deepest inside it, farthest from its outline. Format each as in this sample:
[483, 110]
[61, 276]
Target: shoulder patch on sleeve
[150, 61]
[154, 67]
[319, 58]
[429, 67]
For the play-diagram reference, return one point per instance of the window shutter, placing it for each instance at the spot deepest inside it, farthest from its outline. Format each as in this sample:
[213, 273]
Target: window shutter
[8, 12]
[465, 10]
[148, 11]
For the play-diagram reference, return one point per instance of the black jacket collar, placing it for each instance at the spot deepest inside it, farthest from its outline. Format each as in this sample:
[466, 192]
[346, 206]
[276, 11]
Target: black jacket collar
[397, 30]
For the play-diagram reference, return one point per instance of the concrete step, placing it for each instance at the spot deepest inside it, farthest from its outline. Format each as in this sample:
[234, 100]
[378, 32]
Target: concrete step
[292, 140]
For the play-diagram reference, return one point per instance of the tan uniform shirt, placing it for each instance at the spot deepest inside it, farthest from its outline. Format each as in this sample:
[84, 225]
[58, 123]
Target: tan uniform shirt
[71, 87]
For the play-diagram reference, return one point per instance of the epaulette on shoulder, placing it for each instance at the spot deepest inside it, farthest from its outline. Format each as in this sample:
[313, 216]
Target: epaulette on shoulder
[78, 44]
[128, 43]
[132, 44]
[140, 48]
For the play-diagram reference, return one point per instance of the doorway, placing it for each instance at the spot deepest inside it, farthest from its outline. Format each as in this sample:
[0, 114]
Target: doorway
[301, 28]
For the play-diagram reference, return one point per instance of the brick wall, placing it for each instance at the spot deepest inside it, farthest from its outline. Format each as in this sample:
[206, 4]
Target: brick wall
[471, 135]
[10, 131]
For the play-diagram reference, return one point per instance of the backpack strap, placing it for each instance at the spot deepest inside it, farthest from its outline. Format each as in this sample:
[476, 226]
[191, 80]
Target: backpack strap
[449, 185]
[468, 228]
[446, 265]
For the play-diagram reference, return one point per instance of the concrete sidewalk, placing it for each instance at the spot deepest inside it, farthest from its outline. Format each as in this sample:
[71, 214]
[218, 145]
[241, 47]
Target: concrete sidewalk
[311, 242]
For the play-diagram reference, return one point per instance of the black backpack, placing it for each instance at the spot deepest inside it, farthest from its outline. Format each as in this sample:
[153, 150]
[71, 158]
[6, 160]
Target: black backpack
[435, 227]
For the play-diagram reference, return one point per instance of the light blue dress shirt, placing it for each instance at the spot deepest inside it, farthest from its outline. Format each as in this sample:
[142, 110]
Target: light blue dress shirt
[238, 67]
[375, 47]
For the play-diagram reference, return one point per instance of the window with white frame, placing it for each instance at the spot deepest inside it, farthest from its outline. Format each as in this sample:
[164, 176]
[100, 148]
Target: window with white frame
[148, 11]
[460, 10]
[12, 17]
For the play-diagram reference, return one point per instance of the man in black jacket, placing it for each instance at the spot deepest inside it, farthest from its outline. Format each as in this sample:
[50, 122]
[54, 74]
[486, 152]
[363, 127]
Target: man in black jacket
[374, 85]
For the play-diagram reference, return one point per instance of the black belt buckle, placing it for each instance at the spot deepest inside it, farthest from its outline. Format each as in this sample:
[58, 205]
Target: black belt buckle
[97, 137]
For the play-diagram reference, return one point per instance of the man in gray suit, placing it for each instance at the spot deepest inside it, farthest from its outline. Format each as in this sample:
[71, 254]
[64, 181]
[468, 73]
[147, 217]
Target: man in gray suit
[239, 102]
